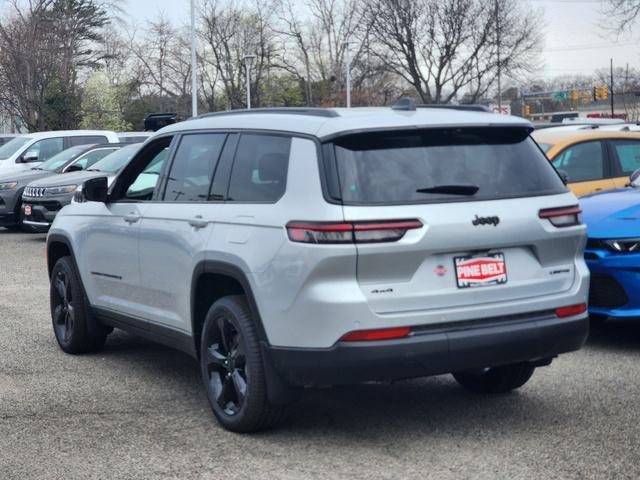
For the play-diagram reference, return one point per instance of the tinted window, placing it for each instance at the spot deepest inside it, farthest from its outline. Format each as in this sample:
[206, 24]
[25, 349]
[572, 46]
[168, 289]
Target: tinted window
[582, 162]
[43, 150]
[117, 160]
[94, 156]
[260, 168]
[628, 153]
[88, 140]
[413, 167]
[193, 167]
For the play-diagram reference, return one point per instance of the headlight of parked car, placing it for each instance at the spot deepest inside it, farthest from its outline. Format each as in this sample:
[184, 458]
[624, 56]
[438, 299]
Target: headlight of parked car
[8, 186]
[61, 190]
[624, 245]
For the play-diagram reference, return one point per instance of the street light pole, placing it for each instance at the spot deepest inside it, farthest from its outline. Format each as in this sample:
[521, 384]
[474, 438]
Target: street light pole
[348, 62]
[194, 64]
[247, 65]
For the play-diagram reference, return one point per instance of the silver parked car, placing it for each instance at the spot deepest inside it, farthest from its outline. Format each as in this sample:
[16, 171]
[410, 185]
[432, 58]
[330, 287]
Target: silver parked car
[285, 248]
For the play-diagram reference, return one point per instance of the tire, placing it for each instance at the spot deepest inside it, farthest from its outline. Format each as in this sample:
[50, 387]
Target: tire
[232, 368]
[70, 314]
[496, 379]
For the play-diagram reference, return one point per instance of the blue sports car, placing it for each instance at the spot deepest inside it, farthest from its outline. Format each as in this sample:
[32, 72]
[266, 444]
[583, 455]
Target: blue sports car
[613, 252]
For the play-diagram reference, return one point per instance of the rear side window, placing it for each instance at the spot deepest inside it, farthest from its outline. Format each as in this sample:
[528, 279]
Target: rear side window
[193, 167]
[628, 153]
[87, 140]
[440, 165]
[260, 168]
[582, 162]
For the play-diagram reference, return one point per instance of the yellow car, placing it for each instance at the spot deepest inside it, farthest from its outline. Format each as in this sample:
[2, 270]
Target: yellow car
[593, 160]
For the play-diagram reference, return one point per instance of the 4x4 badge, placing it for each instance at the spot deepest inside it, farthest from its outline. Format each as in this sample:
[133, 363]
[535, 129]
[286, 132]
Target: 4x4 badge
[495, 220]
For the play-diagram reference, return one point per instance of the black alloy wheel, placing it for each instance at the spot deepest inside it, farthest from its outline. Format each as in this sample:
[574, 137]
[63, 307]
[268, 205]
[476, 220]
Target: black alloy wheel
[73, 325]
[226, 365]
[62, 305]
[232, 368]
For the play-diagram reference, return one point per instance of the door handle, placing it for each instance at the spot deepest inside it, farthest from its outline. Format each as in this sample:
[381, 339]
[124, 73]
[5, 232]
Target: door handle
[131, 218]
[198, 222]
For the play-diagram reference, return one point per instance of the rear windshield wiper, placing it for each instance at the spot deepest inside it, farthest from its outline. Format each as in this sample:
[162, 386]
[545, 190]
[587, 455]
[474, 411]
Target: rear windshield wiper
[451, 189]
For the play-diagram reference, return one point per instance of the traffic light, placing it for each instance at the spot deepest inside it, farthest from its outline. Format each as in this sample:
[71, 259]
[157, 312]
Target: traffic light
[575, 95]
[604, 92]
[527, 110]
[586, 97]
[596, 93]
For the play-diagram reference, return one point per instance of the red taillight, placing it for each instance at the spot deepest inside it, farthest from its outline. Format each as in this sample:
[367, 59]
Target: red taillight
[571, 310]
[364, 232]
[372, 335]
[563, 216]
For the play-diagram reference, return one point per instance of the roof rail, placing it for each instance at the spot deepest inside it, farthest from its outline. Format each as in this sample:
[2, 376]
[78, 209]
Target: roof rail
[466, 107]
[314, 112]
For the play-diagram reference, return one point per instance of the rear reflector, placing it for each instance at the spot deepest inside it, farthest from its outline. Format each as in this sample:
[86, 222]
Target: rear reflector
[372, 335]
[570, 311]
[563, 216]
[364, 232]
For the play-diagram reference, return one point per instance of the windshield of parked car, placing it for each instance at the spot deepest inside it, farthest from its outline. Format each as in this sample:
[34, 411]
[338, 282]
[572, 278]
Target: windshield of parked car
[61, 159]
[12, 147]
[117, 160]
[442, 165]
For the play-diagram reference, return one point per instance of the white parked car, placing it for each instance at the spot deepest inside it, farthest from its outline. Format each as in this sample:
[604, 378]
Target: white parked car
[30, 150]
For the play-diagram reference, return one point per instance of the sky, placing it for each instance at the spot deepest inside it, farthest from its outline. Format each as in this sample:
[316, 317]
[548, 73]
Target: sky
[576, 40]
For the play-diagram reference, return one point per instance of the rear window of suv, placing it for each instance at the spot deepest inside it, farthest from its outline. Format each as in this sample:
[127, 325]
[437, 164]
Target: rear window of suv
[442, 165]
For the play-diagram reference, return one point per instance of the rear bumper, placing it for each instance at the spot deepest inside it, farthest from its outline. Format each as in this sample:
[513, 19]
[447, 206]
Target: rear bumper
[432, 351]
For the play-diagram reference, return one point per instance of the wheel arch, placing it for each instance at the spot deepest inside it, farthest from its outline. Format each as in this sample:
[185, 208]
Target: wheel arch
[213, 280]
[58, 246]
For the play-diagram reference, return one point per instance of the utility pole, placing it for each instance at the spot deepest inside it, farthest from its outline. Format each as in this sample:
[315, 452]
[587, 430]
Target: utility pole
[611, 89]
[348, 62]
[497, 13]
[194, 64]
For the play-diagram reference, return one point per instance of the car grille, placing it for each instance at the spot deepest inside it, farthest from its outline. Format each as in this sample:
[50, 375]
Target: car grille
[34, 192]
[606, 292]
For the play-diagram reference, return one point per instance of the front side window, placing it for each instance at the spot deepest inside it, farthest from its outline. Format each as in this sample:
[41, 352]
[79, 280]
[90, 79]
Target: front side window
[259, 171]
[43, 150]
[138, 180]
[92, 157]
[628, 153]
[193, 167]
[61, 159]
[582, 162]
[440, 165]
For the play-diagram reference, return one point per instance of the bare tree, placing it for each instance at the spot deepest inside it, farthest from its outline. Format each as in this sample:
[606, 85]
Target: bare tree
[623, 13]
[444, 48]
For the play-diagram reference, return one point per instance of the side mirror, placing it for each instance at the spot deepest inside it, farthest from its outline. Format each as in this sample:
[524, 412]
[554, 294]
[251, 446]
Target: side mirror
[75, 167]
[564, 176]
[95, 190]
[634, 179]
[30, 156]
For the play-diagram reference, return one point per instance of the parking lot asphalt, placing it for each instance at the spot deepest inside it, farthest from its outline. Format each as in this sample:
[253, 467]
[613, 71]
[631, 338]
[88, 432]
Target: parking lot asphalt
[137, 411]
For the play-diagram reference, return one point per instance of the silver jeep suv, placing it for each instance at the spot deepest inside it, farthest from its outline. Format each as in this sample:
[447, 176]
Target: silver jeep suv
[285, 248]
